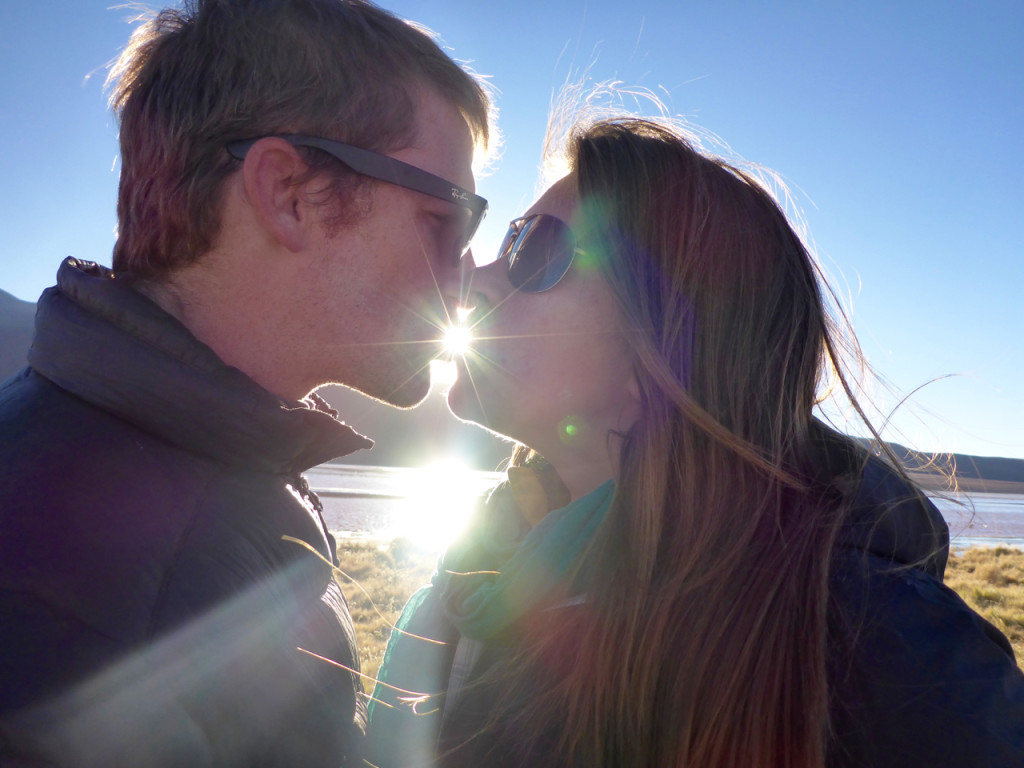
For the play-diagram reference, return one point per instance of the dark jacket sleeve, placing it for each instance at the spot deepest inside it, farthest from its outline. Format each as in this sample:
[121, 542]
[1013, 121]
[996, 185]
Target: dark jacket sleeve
[276, 643]
[222, 677]
[917, 677]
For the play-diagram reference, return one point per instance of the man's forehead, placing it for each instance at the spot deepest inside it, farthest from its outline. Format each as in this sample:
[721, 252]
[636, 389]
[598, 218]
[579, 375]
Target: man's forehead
[442, 141]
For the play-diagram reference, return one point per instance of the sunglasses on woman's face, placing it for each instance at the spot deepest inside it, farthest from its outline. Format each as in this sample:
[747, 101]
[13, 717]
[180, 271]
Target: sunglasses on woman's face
[539, 250]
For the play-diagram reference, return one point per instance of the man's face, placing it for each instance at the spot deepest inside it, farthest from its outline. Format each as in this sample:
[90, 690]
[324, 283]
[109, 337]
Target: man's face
[385, 284]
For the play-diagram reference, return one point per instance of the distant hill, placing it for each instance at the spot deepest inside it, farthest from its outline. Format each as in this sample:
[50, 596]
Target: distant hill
[16, 323]
[967, 466]
[411, 438]
[973, 473]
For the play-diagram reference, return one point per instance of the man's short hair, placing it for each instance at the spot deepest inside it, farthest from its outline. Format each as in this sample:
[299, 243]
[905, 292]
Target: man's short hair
[194, 78]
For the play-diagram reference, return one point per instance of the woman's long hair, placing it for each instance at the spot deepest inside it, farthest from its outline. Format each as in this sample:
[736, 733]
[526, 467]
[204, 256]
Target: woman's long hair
[702, 639]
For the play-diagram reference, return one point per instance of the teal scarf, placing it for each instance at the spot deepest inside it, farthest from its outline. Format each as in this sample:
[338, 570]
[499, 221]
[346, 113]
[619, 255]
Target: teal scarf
[487, 580]
[483, 599]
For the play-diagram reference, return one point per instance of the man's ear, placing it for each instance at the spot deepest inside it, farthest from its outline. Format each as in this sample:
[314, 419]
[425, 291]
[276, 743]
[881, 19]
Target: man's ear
[269, 173]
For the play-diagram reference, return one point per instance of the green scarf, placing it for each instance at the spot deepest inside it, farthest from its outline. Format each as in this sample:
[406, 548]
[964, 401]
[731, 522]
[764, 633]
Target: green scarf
[484, 598]
[487, 580]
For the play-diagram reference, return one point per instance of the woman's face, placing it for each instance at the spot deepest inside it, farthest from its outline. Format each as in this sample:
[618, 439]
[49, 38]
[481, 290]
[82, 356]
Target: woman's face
[552, 370]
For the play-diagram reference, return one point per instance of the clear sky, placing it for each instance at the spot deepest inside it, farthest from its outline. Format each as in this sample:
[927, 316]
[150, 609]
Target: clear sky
[897, 125]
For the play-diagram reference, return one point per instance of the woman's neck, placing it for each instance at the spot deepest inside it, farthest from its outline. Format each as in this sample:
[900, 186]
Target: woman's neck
[583, 472]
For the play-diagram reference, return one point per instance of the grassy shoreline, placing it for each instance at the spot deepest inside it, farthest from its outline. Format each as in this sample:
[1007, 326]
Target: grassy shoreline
[380, 576]
[940, 483]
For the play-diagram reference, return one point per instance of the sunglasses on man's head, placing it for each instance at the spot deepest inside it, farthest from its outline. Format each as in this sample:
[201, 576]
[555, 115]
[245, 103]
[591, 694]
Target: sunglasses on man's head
[540, 250]
[384, 168]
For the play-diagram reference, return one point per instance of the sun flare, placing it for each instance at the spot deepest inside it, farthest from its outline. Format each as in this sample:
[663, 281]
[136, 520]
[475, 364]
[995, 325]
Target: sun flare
[457, 339]
[438, 501]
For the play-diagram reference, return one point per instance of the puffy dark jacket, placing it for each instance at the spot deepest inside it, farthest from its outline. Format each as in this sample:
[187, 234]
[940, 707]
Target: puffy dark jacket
[151, 611]
[917, 679]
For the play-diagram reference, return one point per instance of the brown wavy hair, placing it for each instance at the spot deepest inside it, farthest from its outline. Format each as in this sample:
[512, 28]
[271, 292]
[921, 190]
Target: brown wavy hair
[702, 641]
[194, 78]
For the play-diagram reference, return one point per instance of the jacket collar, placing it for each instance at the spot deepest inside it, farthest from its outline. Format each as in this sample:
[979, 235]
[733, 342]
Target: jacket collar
[889, 517]
[111, 346]
[894, 520]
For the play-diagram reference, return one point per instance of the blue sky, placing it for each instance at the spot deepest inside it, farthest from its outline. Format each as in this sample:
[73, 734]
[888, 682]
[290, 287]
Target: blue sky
[897, 126]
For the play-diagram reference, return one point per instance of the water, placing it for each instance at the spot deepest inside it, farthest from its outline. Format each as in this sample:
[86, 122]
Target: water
[984, 520]
[428, 505]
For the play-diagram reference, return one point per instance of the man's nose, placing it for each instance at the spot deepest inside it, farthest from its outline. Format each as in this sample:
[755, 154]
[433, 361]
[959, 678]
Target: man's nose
[455, 286]
[467, 267]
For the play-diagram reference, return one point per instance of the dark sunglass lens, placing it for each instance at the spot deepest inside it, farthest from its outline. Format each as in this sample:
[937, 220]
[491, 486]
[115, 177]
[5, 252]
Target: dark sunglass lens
[541, 255]
[472, 224]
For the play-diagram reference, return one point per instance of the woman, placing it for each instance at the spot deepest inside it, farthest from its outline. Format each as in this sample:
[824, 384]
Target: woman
[724, 581]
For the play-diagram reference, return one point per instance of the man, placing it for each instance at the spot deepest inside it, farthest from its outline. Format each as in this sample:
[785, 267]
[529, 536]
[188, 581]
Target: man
[296, 192]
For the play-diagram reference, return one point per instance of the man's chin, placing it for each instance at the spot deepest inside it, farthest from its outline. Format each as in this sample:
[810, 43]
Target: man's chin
[409, 394]
[391, 390]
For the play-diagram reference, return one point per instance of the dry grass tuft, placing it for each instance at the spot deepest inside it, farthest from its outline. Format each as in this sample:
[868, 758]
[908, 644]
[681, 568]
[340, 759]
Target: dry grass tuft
[383, 576]
[990, 580]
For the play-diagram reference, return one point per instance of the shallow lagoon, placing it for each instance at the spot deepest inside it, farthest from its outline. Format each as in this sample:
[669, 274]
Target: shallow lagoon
[428, 505]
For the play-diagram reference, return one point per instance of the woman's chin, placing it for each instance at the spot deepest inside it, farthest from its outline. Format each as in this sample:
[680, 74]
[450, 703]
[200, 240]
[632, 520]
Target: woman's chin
[466, 407]
[472, 400]
[463, 401]
[469, 403]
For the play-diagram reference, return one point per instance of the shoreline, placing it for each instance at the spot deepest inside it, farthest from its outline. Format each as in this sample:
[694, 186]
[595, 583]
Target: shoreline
[375, 504]
[931, 482]
[957, 545]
